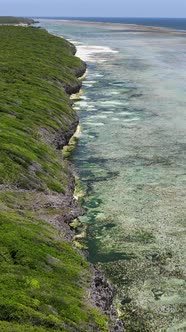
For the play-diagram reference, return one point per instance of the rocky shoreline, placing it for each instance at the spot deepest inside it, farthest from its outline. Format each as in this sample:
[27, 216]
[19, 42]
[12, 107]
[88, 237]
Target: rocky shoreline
[102, 292]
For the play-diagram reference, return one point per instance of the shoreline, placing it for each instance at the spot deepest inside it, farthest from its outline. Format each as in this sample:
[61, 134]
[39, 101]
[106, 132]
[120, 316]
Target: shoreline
[41, 208]
[101, 293]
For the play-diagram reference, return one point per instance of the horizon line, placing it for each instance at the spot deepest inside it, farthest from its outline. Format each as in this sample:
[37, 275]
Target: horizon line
[167, 17]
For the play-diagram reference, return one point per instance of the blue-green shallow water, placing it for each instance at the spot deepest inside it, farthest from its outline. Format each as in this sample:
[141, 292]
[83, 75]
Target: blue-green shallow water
[131, 157]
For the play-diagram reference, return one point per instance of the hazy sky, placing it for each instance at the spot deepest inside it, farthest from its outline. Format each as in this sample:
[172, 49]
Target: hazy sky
[121, 8]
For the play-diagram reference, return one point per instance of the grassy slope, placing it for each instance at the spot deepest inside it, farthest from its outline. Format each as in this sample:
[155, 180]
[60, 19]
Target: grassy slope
[42, 277]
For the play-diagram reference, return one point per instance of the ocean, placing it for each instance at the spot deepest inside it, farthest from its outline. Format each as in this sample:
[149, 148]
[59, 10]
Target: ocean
[174, 23]
[131, 160]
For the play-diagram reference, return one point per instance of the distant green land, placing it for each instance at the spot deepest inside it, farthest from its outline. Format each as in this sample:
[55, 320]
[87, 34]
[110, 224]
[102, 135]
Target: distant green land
[15, 20]
[44, 281]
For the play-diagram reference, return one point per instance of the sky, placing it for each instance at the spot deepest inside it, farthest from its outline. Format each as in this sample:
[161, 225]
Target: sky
[94, 8]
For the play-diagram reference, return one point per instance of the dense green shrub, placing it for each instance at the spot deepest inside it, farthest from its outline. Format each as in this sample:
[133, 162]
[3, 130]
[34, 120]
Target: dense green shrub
[34, 68]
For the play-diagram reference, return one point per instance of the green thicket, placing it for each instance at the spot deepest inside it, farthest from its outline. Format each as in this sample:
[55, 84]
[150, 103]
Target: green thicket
[34, 66]
[43, 279]
[15, 20]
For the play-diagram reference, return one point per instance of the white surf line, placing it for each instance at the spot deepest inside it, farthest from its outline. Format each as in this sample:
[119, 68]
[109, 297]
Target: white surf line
[87, 52]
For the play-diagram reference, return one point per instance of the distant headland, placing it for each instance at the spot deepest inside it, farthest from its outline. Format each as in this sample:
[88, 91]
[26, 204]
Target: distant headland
[11, 20]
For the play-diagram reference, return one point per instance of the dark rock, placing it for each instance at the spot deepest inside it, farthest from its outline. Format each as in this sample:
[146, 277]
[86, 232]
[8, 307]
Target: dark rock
[62, 139]
[157, 293]
[126, 300]
[102, 293]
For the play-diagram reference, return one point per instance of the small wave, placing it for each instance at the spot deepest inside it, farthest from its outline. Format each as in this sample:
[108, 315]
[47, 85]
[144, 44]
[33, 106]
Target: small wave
[92, 82]
[96, 124]
[84, 98]
[89, 83]
[98, 75]
[111, 103]
[130, 120]
[114, 93]
[124, 113]
[115, 119]
[99, 116]
[82, 103]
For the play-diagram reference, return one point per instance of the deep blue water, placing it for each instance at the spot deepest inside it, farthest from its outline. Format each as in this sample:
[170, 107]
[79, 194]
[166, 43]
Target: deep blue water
[174, 23]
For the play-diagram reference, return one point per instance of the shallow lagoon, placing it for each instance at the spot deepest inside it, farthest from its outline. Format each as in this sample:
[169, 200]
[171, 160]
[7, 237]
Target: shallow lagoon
[131, 160]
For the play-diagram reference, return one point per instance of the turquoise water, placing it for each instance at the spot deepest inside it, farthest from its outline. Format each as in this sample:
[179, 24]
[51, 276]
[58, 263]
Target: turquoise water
[131, 160]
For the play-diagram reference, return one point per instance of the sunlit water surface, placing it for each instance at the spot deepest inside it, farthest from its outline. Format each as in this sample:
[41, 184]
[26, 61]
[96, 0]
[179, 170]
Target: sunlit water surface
[131, 157]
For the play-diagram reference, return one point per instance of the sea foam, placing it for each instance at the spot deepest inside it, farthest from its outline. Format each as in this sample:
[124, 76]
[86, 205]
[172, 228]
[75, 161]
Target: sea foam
[88, 52]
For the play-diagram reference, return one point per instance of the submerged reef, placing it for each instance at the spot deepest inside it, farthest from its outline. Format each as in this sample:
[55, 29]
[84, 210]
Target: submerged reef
[46, 284]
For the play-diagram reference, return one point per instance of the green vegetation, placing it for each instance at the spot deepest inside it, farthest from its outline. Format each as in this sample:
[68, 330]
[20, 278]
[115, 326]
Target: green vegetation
[43, 279]
[35, 66]
[15, 20]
